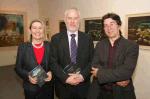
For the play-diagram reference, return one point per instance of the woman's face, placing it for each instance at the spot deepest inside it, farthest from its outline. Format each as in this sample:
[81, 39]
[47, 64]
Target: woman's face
[37, 31]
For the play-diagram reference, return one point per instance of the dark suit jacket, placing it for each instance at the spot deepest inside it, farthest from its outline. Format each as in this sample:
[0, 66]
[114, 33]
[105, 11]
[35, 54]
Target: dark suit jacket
[26, 61]
[61, 56]
[123, 65]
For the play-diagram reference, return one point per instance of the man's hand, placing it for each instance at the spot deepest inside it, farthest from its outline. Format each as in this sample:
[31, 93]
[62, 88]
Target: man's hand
[49, 74]
[79, 78]
[32, 80]
[74, 79]
[123, 83]
[94, 71]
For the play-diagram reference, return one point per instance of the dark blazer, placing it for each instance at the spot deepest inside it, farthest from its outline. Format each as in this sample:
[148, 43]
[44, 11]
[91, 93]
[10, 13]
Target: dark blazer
[26, 61]
[61, 56]
[123, 66]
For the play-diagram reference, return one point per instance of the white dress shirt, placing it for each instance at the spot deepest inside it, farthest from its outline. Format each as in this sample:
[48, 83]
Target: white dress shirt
[69, 39]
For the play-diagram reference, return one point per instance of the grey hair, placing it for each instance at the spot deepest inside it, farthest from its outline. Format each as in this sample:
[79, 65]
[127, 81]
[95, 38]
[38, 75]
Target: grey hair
[68, 10]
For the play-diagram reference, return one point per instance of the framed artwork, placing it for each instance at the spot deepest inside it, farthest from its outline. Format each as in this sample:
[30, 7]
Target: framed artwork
[93, 26]
[62, 26]
[12, 28]
[47, 28]
[138, 28]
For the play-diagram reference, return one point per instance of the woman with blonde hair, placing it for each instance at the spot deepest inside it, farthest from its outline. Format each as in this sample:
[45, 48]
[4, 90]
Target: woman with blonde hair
[31, 54]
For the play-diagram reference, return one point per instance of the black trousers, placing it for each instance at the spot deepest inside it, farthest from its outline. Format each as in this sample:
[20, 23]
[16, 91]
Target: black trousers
[98, 92]
[72, 92]
[116, 94]
[106, 95]
[44, 92]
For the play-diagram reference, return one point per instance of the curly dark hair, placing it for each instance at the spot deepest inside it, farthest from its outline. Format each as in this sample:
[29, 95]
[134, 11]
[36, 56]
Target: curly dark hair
[112, 16]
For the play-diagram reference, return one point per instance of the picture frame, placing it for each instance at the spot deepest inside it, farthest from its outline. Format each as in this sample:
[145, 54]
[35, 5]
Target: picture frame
[12, 28]
[93, 27]
[47, 28]
[62, 26]
[138, 29]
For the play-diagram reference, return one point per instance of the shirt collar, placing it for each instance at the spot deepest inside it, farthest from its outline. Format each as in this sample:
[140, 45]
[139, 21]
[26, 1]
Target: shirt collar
[69, 33]
[116, 43]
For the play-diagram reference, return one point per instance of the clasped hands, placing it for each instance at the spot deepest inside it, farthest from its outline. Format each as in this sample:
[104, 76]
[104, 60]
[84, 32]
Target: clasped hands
[33, 80]
[74, 78]
[124, 83]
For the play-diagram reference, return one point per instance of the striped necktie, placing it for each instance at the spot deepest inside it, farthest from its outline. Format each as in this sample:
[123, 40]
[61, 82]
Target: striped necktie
[73, 49]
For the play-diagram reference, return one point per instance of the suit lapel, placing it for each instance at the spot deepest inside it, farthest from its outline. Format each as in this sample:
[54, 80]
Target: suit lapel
[117, 52]
[45, 53]
[106, 52]
[80, 45]
[32, 54]
[65, 46]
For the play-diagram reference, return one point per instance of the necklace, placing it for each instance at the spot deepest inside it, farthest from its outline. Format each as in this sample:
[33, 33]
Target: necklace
[34, 45]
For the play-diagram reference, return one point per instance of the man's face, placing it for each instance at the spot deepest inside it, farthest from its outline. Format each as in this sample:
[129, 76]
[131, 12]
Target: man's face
[72, 20]
[111, 28]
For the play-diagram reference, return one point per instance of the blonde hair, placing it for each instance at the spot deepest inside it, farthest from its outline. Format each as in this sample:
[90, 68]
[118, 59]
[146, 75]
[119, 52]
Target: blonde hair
[40, 21]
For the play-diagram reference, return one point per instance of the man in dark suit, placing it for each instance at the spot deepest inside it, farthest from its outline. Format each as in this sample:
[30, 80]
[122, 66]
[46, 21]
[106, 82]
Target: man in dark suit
[113, 64]
[72, 47]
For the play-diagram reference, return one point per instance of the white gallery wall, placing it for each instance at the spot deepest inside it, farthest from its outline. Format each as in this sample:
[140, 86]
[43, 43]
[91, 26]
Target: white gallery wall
[31, 9]
[54, 9]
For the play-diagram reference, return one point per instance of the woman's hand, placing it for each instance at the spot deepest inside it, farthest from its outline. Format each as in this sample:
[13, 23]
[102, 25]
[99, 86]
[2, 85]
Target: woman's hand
[33, 80]
[49, 74]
